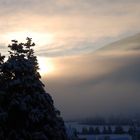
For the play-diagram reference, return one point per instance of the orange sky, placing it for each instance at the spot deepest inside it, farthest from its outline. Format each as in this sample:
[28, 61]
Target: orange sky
[67, 27]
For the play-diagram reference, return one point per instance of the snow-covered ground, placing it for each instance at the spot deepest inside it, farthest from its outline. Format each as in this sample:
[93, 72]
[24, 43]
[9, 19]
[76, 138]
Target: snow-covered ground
[106, 137]
[78, 127]
[71, 126]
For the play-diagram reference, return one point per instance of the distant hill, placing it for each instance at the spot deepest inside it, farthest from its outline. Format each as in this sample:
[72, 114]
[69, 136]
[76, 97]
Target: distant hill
[129, 43]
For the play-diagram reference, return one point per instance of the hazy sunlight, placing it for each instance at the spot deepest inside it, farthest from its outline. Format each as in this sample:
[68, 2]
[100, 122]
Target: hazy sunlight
[46, 66]
[39, 38]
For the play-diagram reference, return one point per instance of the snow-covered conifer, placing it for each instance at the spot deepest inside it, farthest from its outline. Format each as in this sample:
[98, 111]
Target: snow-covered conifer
[27, 112]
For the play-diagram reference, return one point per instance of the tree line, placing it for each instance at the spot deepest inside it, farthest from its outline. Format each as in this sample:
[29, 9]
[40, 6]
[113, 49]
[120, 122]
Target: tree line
[106, 130]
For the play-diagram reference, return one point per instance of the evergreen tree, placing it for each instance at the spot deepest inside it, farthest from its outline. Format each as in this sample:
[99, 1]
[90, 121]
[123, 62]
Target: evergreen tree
[131, 131]
[91, 130]
[27, 112]
[104, 130]
[84, 130]
[109, 130]
[75, 132]
[97, 130]
[119, 130]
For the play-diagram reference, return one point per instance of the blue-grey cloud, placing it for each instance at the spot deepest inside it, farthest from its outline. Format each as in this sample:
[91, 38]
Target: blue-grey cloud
[65, 6]
[85, 45]
[131, 43]
[127, 73]
[97, 83]
[69, 48]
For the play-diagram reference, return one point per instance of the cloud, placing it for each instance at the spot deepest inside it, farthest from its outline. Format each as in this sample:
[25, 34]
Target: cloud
[80, 25]
[83, 85]
[127, 73]
[67, 6]
[95, 83]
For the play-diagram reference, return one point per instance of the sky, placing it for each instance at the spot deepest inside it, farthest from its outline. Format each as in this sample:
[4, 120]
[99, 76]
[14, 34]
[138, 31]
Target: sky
[83, 79]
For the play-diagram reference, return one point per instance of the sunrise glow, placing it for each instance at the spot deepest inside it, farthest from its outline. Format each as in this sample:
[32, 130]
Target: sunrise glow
[40, 39]
[46, 66]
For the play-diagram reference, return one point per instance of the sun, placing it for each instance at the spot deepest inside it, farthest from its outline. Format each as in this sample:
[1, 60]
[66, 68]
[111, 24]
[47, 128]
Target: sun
[46, 66]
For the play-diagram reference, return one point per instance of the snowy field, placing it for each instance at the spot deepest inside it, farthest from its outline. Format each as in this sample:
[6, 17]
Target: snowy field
[106, 137]
[71, 126]
[78, 127]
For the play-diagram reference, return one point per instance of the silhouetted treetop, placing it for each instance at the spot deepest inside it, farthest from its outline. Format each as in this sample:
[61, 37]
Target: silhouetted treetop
[26, 111]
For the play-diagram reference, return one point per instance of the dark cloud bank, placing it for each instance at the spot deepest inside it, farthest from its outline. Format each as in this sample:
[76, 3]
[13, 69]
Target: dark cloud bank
[101, 83]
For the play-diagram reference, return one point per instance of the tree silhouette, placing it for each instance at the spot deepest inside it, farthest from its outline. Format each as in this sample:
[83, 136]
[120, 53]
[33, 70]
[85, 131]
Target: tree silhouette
[131, 131]
[27, 112]
[91, 130]
[84, 130]
[109, 130]
[104, 130]
[119, 130]
[97, 130]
